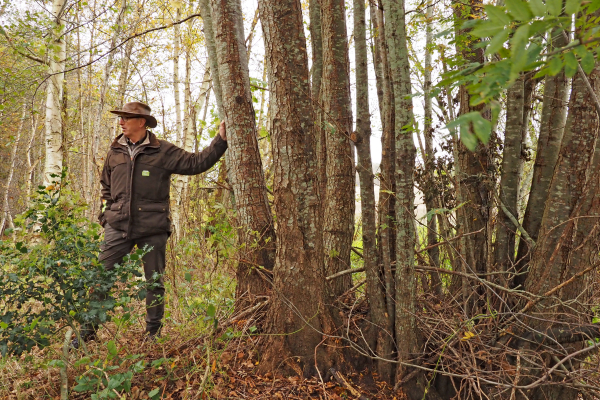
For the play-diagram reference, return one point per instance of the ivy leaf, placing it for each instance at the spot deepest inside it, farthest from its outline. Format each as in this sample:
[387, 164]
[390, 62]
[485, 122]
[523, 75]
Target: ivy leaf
[537, 7]
[588, 62]
[554, 7]
[519, 9]
[572, 6]
[570, 65]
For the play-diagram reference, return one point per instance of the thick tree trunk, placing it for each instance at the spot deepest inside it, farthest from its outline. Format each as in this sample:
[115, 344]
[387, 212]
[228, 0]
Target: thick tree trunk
[554, 112]
[568, 237]
[245, 166]
[56, 56]
[338, 219]
[297, 303]
[375, 292]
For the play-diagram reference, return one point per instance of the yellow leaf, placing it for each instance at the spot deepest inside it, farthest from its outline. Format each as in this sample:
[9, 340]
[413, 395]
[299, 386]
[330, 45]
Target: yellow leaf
[50, 187]
[468, 335]
[214, 366]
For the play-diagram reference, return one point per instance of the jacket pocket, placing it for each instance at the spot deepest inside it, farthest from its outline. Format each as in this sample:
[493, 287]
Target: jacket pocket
[152, 218]
[117, 216]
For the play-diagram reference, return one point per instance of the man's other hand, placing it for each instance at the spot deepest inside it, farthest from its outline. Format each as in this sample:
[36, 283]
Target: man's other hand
[222, 131]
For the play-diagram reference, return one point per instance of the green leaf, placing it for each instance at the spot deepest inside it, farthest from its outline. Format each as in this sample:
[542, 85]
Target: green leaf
[211, 311]
[153, 392]
[555, 66]
[537, 7]
[570, 65]
[468, 139]
[497, 14]
[519, 58]
[596, 320]
[497, 42]
[554, 7]
[588, 62]
[487, 29]
[483, 128]
[572, 6]
[594, 5]
[112, 348]
[188, 277]
[519, 9]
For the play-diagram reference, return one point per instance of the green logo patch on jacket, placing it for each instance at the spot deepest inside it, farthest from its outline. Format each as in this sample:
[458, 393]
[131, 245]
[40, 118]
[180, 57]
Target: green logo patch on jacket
[145, 173]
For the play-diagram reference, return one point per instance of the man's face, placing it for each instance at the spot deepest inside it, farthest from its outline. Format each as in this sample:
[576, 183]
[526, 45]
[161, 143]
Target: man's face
[132, 126]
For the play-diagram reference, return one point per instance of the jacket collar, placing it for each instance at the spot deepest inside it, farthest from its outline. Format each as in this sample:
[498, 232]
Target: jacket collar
[151, 141]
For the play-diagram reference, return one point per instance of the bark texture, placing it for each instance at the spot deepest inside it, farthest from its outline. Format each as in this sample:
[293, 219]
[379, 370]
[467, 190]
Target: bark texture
[297, 304]
[245, 167]
[54, 93]
[338, 224]
[568, 237]
[405, 325]
[375, 293]
[554, 113]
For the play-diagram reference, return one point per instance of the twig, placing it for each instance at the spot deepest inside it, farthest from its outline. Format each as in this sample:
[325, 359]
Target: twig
[512, 218]
[343, 382]
[64, 377]
[344, 272]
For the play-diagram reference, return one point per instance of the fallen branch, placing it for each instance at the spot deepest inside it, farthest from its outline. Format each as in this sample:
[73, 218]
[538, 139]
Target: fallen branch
[344, 383]
[64, 377]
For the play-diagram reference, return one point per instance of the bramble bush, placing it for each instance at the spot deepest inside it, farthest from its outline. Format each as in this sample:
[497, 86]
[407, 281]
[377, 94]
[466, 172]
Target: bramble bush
[50, 276]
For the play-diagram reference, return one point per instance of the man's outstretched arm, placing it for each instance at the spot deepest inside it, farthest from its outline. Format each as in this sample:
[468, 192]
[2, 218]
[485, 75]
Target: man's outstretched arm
[186, 163]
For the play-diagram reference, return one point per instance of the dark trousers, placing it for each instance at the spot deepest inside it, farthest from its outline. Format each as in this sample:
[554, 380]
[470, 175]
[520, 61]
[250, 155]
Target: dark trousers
[116, 246]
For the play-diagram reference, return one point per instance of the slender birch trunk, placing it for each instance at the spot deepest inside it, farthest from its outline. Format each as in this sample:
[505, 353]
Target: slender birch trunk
[176, 93]
[11, 171]
[244, 162]
[211, 49]
[53, 121]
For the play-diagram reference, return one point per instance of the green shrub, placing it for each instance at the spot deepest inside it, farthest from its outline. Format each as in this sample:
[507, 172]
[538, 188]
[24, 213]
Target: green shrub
[50, 276]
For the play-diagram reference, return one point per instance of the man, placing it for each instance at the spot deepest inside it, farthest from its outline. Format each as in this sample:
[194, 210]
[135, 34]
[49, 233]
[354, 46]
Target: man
[135, 199]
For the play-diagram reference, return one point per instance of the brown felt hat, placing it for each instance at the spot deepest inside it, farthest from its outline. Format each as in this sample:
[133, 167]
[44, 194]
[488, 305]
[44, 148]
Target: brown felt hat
[137, 109]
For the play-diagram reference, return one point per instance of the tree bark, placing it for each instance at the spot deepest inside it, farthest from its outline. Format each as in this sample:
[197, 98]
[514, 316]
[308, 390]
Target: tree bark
[405, 324]
[568, 237]
[11, 172]
[176, 92]
[338, 224]
[56, 56]
[430, 193]
[245, 167]
[554, 113]
[211, 49]
[297, 303]
[375, 292]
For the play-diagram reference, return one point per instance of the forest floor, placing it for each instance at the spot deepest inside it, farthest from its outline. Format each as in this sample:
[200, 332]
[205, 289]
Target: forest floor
[178, 366]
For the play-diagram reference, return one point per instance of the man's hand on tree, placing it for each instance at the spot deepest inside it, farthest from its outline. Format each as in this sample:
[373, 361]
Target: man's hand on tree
[222, 131]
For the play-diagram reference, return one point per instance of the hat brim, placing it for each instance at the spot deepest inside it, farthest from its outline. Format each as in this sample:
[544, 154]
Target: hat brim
[152, 123]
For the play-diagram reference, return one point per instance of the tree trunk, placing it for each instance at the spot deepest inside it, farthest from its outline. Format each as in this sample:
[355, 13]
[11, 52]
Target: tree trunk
[298, 296]
[405, 326]
[176, 93]
[554, 112]
[56, 56]
[211, 49]
[430, 192]
[512, 168]
[11, 172]
[475, 176]
[338, 223]
[245, 166]
[568, 237]
[375, 292]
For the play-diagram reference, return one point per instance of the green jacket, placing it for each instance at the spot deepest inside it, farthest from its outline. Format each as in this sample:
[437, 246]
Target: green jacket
[136, 183]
